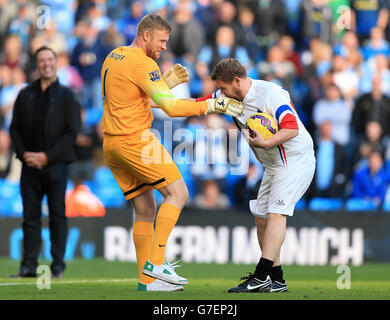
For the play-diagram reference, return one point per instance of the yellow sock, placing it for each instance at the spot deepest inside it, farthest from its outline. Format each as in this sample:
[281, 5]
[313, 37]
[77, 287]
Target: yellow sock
[143, 239]
[166, 219]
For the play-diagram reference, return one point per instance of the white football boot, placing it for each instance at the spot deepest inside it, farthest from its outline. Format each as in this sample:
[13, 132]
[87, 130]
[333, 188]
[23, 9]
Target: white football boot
[159, 286]
[165, 272]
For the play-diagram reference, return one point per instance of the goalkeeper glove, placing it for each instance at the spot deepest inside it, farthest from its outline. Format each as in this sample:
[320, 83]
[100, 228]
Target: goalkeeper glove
[175, 76]
[225, 105]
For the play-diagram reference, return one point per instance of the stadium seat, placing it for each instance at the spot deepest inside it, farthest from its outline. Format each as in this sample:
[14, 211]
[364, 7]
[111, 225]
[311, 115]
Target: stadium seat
[4, 208]
[107, 189]
[387, 168]
[12, 207]
[17, 207]
[111, 195]
[103, 176]
[158, 198]
[45, 206]
[301, 204]
[386, 206]
[325, 204]
[358, 204]
[93, 116]
[91, 185]
[9, 189]
[69, 185]
[10, 199]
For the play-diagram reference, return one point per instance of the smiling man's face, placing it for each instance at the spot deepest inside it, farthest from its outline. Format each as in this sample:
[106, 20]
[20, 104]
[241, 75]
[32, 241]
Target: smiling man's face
[47, 65]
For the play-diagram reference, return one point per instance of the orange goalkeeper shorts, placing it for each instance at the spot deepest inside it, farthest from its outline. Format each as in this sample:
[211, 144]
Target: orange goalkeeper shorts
[139, 164]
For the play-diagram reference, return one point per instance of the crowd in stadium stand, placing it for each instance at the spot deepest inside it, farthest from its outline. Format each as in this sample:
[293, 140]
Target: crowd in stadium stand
[332, 56]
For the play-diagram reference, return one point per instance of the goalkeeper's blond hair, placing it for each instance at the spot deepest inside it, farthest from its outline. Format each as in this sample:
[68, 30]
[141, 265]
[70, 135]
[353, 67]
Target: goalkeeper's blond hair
[152, 22]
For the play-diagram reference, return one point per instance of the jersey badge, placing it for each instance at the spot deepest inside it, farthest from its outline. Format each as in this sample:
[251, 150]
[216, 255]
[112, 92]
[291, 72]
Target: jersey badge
[154, 75]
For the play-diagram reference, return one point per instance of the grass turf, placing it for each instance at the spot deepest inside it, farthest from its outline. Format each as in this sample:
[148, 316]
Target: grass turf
[104, 280]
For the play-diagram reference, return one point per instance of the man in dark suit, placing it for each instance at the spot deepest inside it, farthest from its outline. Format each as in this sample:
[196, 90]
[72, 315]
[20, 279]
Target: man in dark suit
[332, 171]
[372, 106]
[45, 123]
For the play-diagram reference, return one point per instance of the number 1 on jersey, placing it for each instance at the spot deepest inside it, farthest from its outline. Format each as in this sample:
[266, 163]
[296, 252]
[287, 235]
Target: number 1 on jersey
[104, 85]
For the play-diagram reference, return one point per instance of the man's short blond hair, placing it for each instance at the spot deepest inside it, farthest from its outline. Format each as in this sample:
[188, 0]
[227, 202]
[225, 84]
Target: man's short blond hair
[152, 22]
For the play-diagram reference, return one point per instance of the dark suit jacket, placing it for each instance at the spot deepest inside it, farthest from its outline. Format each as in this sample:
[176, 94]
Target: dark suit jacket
[364, 112]
[62, 122]
[341, 175]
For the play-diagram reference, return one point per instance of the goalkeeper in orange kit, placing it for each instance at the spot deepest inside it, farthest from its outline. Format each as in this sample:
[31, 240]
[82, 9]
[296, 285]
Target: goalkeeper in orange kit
[130, 78]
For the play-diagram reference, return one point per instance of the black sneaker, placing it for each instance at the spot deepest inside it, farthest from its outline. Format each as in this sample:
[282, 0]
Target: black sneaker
[279, 286]
[24, 272]
[23, 275]
[252, 284]
[57, 275]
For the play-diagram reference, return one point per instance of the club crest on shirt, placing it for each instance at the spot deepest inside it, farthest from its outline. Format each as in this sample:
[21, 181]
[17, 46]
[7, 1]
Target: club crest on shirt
[154, 75]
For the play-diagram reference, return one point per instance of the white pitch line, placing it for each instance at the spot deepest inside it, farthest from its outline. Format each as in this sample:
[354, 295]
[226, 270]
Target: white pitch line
[69, 282]
[13, 284]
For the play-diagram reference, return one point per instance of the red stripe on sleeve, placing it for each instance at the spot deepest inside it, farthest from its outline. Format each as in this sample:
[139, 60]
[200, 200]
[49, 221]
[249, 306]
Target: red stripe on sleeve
[210, 96]
[292, 105]
[289, 122]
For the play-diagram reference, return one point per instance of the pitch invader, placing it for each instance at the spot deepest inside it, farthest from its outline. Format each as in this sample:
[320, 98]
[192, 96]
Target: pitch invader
[288, 160]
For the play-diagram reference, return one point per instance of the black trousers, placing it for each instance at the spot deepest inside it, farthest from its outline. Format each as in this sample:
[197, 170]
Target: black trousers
[34, 184]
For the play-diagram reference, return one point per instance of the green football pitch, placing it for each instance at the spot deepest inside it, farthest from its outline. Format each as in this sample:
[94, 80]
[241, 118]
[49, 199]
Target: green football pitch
[99, 279]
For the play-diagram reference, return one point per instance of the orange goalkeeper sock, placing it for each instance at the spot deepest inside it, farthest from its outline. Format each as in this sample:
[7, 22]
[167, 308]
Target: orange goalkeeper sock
[166, 219]
[143, 239]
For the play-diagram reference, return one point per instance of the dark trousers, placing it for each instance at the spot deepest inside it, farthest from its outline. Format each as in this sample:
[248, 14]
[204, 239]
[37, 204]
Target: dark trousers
[34, 185]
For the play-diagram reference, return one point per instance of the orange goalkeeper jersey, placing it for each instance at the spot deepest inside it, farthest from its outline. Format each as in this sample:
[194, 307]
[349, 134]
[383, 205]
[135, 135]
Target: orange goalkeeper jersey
[129, 79]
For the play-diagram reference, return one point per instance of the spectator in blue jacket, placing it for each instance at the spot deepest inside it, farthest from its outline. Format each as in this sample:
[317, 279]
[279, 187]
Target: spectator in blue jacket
[371, 182]
[334, 108]
[129, 26]
[377, 44]
[88, 57]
